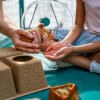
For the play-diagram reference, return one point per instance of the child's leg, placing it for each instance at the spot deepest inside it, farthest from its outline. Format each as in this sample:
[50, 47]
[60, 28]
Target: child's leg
[95, 64]
[81, 61]
[95, 57]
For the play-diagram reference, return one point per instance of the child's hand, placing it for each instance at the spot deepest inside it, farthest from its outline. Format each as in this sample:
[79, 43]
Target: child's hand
[60, 54]
[54, 48]
[36, 34]
[23, 46]
[46, 42]
[43, 39]
[58, 51]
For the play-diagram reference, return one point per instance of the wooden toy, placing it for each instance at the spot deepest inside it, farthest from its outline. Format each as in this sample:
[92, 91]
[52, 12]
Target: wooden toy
[27, 72]
[64, 92]
[6, 52]
[7, 88]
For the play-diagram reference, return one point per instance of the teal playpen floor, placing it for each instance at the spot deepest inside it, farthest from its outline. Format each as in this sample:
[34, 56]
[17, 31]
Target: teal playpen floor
[88, 83]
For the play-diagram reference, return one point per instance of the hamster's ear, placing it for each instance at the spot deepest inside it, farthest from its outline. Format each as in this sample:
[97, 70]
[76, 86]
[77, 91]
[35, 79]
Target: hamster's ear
[40, 25]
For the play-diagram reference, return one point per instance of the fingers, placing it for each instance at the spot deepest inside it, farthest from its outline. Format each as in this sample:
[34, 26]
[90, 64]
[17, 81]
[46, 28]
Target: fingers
[35, 38]
[53, 47]
[59, 52]
[55, 55]
[18, 43]
[50, 58]
[25, 33]
[54, 58]
[38, 36]
[45, 38]
[26, 47]
[51, 53]
[33, 42]
[29, 50]
[48, 49]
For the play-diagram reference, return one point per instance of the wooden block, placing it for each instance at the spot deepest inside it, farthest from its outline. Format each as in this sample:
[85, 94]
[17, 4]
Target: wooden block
[27, 72]
[7, 88]
[6, 52]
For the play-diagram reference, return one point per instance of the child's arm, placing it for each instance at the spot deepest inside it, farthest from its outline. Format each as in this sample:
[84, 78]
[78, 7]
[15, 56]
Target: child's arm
[10, 29]
[88, 48]
[79, 23]
[6, 25]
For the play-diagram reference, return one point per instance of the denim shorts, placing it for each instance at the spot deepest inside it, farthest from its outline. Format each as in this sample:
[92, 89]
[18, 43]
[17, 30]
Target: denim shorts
[84, 38]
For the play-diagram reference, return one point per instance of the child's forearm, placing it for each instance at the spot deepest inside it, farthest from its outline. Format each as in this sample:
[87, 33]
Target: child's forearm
[10, 22]
[88, 48]
[73, 34]
[79, 23]
[6, 25]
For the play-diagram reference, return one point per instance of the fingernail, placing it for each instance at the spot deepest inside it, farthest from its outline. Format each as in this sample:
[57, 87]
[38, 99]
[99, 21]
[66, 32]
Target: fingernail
[43, 35]
[31, 36]
[37, 45]
[38, 32]
[33, 33]
[55, 54]
[44, 53]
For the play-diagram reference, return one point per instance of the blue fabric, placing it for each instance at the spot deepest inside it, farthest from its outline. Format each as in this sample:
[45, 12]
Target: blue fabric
[84, 38]
[60, 34]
